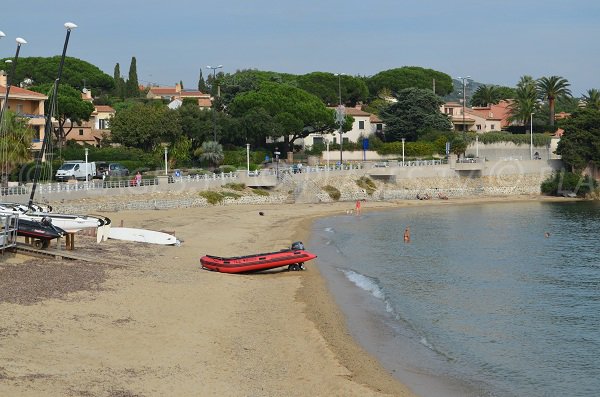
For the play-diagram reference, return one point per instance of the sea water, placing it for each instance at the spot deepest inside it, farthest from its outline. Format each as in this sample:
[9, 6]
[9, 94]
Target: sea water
[481, 301]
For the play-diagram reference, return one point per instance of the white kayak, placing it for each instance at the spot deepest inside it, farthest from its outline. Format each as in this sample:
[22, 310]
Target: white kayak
[142, 236]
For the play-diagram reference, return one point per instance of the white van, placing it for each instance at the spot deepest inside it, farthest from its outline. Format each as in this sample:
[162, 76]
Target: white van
[76, 169]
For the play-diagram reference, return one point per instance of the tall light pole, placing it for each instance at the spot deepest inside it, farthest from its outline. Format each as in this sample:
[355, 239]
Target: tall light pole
[248, 159]
[214, 69]
[327, 144]
[166, 161]
[464, 89]
[531, 135]
[403, 139]
[48, 126]
[20, 42]
[86, 164]
[340, 114]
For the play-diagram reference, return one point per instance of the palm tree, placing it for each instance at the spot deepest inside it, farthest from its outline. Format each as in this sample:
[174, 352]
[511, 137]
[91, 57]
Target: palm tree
[592, 99]
[212, 152]
[486, 95]
[15, 143]
[525, 101]
[552, 88]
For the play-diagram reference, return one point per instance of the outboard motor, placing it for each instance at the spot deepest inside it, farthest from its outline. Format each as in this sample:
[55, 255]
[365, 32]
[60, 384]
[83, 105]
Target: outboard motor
[46, 221]
[297, 245]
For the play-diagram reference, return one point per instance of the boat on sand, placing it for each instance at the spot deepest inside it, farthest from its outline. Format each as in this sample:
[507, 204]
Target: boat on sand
[293, 257]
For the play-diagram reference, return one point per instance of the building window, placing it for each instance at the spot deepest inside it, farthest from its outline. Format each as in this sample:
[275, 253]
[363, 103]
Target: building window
[379, 127]
[346, 140]
[20, 108]
[361, 125]
[493, 126]
[80, 132]
[478, 127]
[318, 140]
[103, 124]
[450, 111]
[334, 140]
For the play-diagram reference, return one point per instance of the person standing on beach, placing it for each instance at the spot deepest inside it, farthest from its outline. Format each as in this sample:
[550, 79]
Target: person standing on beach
[138, 179]
[357, 208]
[407, 234]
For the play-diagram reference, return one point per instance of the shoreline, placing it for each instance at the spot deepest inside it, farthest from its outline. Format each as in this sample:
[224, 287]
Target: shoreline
[208, 333]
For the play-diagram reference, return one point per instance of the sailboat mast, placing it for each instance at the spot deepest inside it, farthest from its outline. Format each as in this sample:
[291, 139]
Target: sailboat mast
[48, 125]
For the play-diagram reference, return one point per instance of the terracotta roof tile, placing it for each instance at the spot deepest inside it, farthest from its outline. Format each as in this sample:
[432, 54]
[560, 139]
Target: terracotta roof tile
[104, 109]
[18, 91]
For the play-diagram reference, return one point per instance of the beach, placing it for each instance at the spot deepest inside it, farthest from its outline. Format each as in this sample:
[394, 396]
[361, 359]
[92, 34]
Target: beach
[148, 321]
[154, 323]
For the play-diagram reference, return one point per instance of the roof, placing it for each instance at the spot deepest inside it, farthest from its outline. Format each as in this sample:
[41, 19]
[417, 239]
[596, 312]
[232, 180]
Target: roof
[193, 94]
[354, 111]
[104, 109]
[21, 92]
[204, 102]
[163, 90]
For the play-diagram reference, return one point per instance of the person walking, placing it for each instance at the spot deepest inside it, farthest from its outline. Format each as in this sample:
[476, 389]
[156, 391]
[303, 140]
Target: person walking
[138, 179]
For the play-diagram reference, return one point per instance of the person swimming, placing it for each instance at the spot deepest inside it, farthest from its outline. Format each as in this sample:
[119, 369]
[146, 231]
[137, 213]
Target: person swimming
[407, 234]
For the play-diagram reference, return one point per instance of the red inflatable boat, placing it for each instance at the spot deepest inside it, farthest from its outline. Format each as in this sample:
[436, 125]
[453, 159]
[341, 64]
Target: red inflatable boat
[293, 258]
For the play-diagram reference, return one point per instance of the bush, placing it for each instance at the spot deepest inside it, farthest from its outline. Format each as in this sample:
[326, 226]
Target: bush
[231, 195]
[333, 192]
[235, 186]
[569, 182]
[212, 197]
[260, 192]
[367, 184]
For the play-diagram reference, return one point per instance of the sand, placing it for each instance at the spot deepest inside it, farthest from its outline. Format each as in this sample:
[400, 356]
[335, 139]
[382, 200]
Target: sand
[150, 322]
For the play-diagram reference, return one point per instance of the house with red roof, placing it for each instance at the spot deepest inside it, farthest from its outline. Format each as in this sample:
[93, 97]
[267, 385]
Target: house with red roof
[477, 119]
[175, 95]
[28, 104]
[96, 129]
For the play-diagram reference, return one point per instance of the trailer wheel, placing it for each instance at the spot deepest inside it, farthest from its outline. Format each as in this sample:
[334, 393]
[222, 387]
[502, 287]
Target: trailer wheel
[45, 243]
[38, 244]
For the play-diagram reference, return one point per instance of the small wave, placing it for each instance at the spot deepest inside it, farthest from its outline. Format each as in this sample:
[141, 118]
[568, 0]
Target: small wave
[329, 230]
[426, 343]
[365, 283]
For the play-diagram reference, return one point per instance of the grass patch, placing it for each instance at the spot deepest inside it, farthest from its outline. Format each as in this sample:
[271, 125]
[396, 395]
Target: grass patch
[235, 186]
[212, 197]
[260, 192]
[367, 184]
[231, 195]
[333, 192]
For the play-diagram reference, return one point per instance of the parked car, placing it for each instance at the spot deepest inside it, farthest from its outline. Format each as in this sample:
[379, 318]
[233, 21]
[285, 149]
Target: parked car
[105, 169]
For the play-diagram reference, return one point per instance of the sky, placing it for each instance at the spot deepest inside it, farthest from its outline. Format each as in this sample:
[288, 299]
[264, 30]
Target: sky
[493, 42]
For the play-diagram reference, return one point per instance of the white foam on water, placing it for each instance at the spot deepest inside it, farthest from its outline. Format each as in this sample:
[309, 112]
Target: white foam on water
[329, 230]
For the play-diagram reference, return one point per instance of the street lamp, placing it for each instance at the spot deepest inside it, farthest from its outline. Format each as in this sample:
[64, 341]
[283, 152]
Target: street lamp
[20, 42]
[248, 159]
[277, 153]
[87, 169]
[340, 114]
[403, 139]
[327, 144]
[48, 126]
[214, 69]
[531, 135]
[464, 80]
[166, 161]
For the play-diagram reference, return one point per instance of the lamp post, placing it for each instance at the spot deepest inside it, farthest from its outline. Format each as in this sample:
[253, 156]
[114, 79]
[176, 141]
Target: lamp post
[327, 144]
[248, 159]
[340, 115]
[20, 42]
[531, 136]
[214, 69]
[166, 161]
[87, 169]
[48, 126]
[464, 84]
[403, 139]
[277, 153]
[477, 146]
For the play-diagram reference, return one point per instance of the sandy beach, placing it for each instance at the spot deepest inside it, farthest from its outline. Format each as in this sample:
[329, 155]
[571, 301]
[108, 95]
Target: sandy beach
[148, 321]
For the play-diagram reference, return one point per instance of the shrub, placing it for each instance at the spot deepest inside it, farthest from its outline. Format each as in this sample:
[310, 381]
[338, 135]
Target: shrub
[212, 197]
[367, 184]
[570, 182]
[260, 192]
[232, 195]
[235, 186]
[333, 192]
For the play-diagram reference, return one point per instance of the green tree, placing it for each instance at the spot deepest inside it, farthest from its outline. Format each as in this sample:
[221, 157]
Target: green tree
[580, 143]
[212, 152]
[71, 109]
[294, 112]
[145, 126]
[550, 89]
[415, 112]
[202, 83]
[486, 95]
[410, 77]
[196, 123]
[132, 86]
[329, 87]
[119, 90]
[525, 101]
[43, 70]
[592, 99]
[15, 144]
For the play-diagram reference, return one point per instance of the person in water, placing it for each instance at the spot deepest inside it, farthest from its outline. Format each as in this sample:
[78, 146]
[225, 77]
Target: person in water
[407, 234]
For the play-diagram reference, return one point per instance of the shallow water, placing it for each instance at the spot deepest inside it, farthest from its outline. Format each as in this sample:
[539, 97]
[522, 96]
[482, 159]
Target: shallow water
[480, 302]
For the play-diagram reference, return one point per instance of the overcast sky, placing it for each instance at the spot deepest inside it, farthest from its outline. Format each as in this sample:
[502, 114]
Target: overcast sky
[494, 42]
